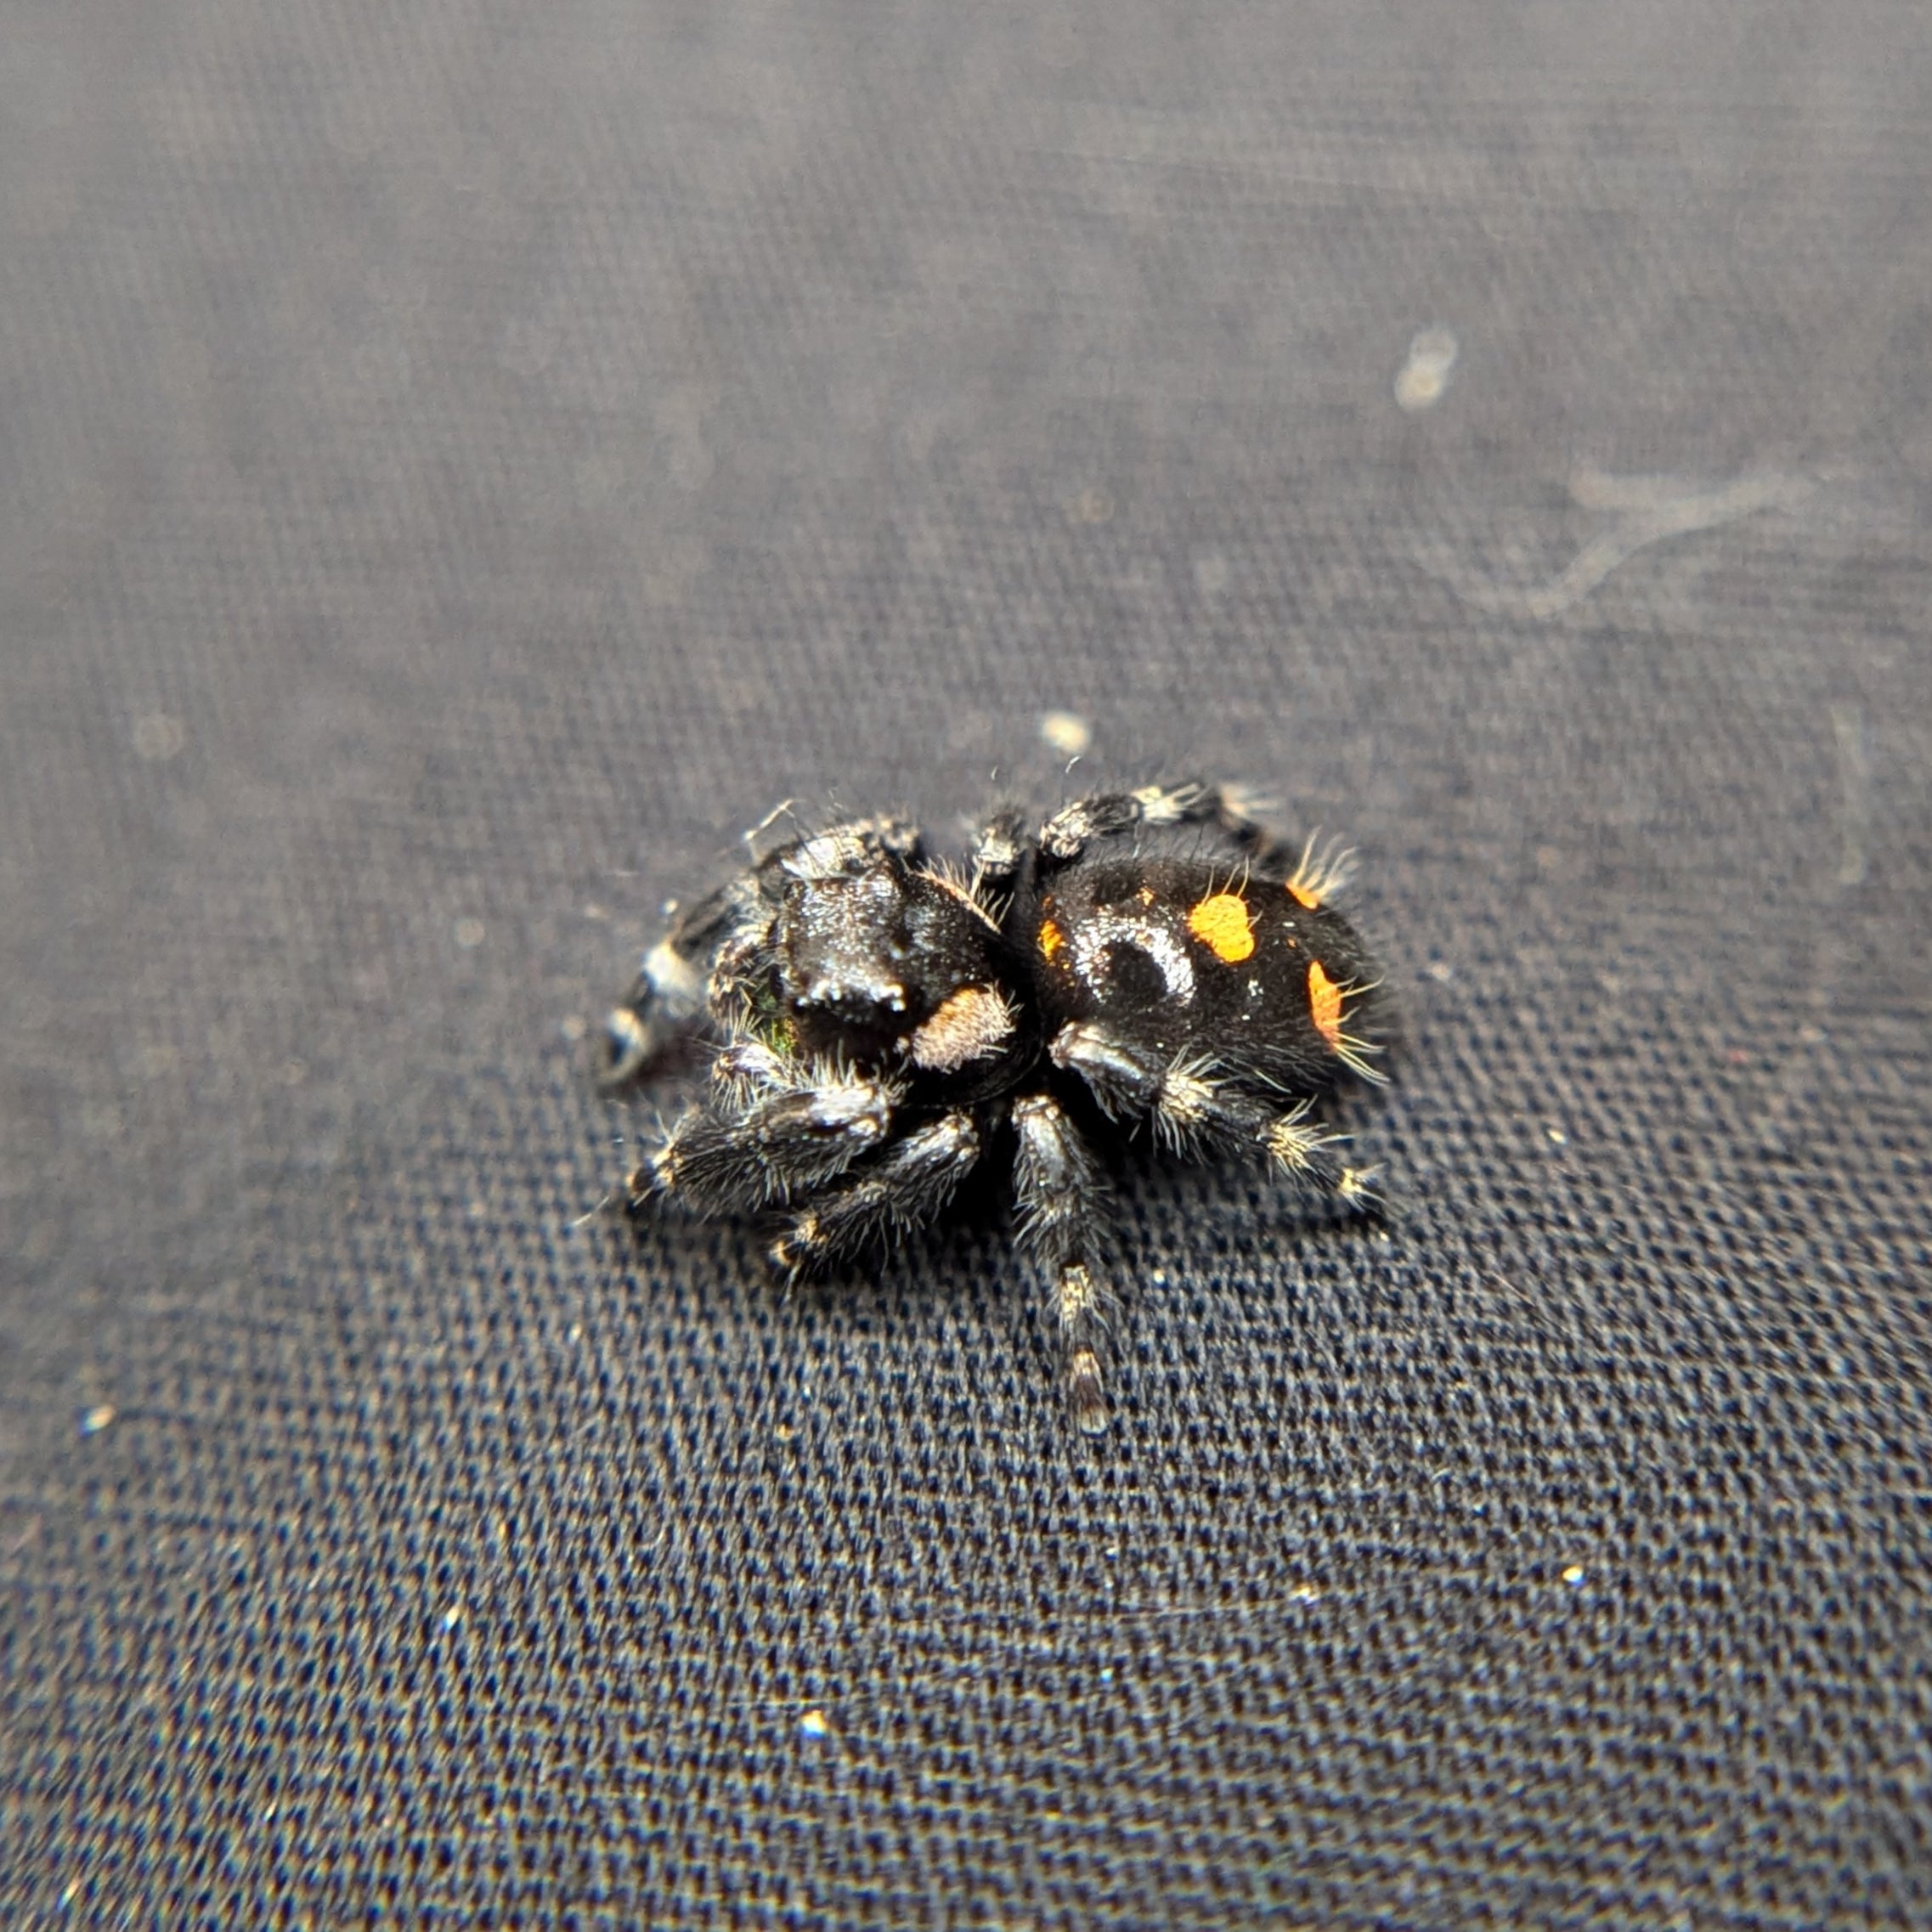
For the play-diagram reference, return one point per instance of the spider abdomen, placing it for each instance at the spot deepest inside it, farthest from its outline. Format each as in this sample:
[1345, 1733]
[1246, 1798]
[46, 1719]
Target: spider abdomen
[1184, 956]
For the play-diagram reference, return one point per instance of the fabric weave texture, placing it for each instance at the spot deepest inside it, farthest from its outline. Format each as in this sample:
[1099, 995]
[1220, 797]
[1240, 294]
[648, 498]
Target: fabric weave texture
[464, 465]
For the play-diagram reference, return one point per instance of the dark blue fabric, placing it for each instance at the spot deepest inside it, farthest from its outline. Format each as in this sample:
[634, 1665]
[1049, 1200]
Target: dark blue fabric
[462, 465]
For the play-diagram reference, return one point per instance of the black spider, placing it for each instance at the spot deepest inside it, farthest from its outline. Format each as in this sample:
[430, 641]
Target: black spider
[1150, 956]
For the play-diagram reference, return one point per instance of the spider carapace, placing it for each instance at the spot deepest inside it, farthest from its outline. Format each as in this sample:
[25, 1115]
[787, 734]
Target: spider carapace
[882, 1022]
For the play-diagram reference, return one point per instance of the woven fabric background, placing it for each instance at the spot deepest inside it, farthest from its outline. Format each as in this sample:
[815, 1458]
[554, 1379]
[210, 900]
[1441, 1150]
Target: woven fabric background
[461, 465]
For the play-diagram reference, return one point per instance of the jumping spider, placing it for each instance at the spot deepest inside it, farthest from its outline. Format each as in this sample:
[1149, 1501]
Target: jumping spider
[880, 1021]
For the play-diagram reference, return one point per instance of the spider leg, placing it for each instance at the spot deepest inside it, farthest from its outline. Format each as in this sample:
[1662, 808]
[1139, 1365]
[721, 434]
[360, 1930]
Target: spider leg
[1062, 1200]
[910, 1181]
[670, 990]
[804, 1130]
[1198, 1111]
[1069, 832]
[998, 847]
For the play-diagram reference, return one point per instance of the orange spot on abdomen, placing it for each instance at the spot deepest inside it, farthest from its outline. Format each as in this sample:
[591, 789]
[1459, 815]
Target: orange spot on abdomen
[1304, 897]
[1325, 1004]
[1221, 924]
[1052, 939]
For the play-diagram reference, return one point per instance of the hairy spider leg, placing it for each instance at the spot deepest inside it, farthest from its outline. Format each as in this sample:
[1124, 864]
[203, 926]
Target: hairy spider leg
[669, 992]
[908, 1186]
[1197, 1111]
[1062, 1199]
[796, 1137]
[1071, 830]
[999, 848]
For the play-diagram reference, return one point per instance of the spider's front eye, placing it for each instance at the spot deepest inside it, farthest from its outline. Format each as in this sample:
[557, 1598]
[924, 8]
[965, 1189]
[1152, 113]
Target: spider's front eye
[857, 996]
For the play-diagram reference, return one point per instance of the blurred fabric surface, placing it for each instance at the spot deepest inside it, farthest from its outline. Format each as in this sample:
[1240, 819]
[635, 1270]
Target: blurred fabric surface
[461, 465]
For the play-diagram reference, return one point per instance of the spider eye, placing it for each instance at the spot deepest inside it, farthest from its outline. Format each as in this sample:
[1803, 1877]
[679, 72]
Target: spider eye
[862, 998]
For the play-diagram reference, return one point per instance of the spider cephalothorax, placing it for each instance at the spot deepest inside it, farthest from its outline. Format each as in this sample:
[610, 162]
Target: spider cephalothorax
[881, 1023]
